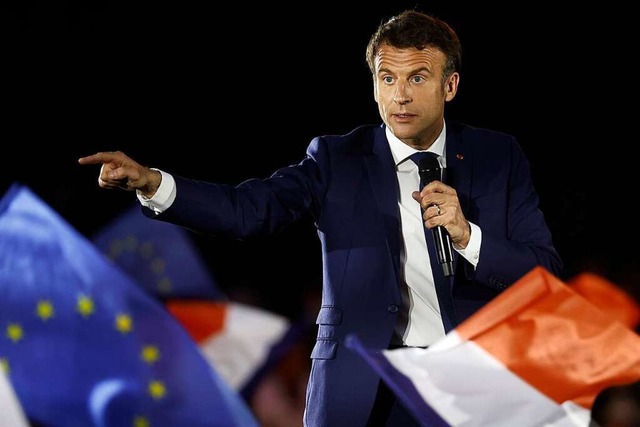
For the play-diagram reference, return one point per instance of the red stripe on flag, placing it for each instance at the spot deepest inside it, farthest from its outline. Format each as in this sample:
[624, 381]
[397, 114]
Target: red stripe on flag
[608, 297]
[555, 340]
[201, 319]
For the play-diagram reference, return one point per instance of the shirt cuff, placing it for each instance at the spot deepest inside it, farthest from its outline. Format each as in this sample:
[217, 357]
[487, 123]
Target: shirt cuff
[472, 252]
[164, 197]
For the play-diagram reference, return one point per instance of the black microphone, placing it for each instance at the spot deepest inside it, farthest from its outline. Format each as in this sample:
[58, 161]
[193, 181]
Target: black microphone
[430, 170]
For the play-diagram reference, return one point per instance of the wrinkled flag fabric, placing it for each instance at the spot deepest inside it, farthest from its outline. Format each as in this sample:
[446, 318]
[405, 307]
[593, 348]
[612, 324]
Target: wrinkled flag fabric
[84, 345]
[241, 341]
[608, 297]
[537, 355]
[159, 256]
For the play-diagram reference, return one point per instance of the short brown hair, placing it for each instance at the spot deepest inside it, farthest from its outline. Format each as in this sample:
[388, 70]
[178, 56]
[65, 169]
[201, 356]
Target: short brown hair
[413, 29]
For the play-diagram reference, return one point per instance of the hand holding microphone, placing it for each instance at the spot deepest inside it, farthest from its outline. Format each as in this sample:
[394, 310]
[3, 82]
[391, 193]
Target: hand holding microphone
[441, 212]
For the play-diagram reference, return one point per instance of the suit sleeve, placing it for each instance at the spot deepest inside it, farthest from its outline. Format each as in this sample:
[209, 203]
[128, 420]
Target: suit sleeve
[526, 240]
[253, 207]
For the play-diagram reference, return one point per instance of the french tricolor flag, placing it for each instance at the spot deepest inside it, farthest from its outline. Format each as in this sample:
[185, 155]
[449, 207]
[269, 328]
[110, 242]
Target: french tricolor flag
[242, 342]
[537, 355]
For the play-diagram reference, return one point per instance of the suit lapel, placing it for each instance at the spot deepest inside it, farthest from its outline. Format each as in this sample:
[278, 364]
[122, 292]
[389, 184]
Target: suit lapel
[381, 170]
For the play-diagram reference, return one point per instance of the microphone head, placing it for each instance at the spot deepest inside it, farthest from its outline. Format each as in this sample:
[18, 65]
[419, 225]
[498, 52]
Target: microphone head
[429, 169]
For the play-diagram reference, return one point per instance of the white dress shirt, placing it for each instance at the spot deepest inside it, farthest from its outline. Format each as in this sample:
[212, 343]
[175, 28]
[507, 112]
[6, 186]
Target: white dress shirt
[420, 323]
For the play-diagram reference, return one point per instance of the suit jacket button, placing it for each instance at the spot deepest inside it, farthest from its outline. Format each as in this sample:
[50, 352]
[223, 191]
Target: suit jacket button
[393, 308]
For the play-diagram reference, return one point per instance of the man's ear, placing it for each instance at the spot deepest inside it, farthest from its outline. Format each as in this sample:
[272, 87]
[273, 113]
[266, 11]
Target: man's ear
[451, 86]
[375, 87]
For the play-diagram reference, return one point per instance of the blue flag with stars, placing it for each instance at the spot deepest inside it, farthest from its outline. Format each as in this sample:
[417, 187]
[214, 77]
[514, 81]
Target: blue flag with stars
[165, 261]
[160, 256]
[83, 345]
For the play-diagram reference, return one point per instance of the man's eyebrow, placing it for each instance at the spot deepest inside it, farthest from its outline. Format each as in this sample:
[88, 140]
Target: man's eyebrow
[412, 72]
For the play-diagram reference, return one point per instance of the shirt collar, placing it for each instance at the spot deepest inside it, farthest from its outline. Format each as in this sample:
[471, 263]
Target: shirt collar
[402, 151]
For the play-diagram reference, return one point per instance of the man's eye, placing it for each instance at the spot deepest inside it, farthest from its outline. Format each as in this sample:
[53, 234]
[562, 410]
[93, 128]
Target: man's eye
[417, 79]
[387, 79]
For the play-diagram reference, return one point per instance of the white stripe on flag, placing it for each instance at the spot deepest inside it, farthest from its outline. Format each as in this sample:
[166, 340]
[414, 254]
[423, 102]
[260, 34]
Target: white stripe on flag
[461, 395]
[536, 355]
[242, 346]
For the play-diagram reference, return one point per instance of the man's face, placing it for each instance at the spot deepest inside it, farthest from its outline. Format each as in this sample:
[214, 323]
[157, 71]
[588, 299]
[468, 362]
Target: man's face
[409, 90]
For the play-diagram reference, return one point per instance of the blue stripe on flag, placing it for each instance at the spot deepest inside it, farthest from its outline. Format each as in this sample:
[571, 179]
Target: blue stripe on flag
[398, 383]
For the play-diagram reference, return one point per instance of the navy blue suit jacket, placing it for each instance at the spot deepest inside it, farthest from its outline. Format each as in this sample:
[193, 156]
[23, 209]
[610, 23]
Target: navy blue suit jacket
[348, 184]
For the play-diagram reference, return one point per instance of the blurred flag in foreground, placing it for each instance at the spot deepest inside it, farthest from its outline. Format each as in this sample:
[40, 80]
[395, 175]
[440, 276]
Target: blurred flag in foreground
[83, 345]
[608, 297]
[242, 342]
[11, 413]
[239, 340]
[537, 355]
[159, 256]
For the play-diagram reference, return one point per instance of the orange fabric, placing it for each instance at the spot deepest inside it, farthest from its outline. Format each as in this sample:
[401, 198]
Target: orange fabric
[608, 297]
[555, 340]
[201, 319]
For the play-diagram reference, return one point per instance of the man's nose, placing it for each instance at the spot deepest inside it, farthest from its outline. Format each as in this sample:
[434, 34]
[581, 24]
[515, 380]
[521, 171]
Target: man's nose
[402, 95]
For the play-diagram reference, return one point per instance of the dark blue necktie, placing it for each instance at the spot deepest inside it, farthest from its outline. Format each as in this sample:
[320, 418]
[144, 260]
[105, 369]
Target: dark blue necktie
[442, 283]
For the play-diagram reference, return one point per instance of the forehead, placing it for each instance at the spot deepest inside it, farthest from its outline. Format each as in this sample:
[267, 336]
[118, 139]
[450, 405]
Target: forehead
[389, 57]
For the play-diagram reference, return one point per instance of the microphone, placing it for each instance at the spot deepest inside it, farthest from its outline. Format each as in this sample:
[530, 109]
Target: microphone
[429, 170]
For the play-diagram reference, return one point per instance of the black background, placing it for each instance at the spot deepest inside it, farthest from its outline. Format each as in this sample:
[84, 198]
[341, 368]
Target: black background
[225, 92]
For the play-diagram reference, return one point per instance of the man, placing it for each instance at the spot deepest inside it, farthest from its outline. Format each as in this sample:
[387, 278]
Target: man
[383, 280]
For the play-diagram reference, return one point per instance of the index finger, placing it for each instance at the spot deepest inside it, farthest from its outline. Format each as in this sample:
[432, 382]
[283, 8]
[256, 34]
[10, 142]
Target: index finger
[93, 159]
[440, 187]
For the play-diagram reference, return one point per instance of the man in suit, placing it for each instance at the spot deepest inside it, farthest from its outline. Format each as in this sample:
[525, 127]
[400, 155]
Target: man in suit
[382, 278]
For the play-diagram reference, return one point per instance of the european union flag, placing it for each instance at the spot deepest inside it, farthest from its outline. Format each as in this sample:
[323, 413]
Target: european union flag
[240, 341]
[160, 256]
[83, 345]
